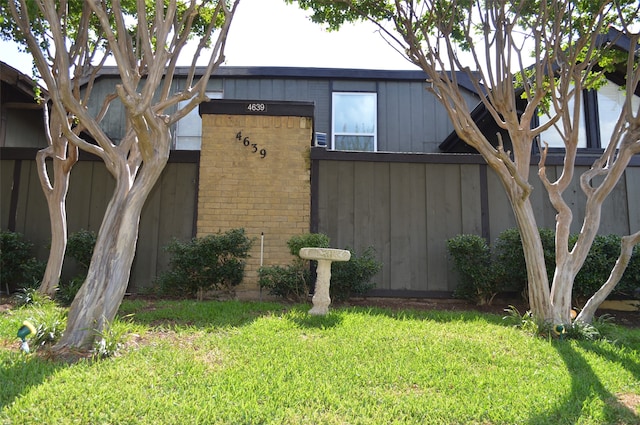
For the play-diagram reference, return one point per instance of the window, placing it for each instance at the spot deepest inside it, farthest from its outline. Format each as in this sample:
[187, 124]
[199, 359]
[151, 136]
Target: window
[354, 122]
[611, 98]
[188, 135]
[553, 138]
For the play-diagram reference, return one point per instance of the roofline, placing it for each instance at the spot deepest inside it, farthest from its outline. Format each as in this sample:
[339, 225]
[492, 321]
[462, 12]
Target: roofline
[23, 82]
[311, 73]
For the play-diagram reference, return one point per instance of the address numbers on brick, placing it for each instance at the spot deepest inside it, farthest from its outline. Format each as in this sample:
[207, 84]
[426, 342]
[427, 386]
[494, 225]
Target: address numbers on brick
[252, 146]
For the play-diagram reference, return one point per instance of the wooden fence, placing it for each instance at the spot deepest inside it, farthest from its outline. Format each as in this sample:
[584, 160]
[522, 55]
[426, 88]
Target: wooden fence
[404, 205]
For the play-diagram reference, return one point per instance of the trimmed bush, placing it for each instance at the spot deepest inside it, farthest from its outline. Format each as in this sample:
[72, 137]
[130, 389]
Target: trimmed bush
[288, 282]
[508, 254]
[307, 240]
[293, 282]
[602, 257]
[472, 259]
[484, 270]
[353, 277]
[210, 262]
[18, 267]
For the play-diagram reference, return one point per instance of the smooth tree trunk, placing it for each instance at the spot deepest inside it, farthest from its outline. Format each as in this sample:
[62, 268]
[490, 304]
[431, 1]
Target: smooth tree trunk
[97, 302]
[64, 155]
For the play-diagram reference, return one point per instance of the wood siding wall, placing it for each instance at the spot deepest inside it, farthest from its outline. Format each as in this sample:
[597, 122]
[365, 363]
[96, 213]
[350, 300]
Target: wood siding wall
[408, 206]
[410, 119]
[168, 213]
[406, 110]
[405, 206]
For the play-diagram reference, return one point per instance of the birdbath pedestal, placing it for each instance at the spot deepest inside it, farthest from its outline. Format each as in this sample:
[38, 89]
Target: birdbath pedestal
[324, 257]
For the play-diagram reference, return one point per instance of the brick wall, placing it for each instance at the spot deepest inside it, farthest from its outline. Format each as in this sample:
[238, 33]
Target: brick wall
[255, 174]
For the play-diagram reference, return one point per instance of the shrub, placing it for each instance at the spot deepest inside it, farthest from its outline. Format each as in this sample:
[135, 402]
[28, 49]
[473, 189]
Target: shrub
[307, 240]
[18, 267]
[353, 276]
[508, 264]
[509, 255]
[289, 282]
[68, 289]
[292, 282]
[210, 262]
[602, 257]
[80, 247]
[472, 259]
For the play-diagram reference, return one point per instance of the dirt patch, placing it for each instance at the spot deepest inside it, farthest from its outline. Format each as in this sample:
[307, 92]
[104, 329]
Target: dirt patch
[625, 318]
[629, 400]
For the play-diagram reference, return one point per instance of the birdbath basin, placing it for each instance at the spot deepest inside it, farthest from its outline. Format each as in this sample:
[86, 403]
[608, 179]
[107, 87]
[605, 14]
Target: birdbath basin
[324, 257]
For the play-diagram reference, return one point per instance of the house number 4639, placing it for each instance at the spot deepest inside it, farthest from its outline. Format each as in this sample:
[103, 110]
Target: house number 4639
[253, 146]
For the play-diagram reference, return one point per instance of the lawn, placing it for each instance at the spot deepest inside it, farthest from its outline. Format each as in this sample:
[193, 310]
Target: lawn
[188, 362]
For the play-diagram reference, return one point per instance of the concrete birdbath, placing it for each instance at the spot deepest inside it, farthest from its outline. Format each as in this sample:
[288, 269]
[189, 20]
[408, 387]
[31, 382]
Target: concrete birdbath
[324, 257]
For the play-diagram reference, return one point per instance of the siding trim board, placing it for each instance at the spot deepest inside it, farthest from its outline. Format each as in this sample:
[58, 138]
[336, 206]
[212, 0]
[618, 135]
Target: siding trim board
[188, 157]
[555, 157]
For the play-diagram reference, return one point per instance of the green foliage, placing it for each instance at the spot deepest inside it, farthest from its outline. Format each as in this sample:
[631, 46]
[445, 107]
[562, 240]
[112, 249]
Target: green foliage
[291, 282]
[602, 257]
[528, 323]
[472, 258]
[508, 253]
[307, 240]
[112, 339]
[49, 322]
[353, 276]
[503, 265]
[18, 267]
[210, 262]
[80, 247]
[67, 289]
[29, 297]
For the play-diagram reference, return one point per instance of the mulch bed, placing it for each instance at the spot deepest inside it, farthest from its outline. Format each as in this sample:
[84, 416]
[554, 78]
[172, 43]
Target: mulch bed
[498, 306]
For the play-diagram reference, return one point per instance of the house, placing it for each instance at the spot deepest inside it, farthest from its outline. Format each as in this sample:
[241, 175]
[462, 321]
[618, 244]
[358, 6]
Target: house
[377, 156]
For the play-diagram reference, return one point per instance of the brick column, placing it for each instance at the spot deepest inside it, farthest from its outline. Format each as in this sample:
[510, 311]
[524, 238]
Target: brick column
[255, 174]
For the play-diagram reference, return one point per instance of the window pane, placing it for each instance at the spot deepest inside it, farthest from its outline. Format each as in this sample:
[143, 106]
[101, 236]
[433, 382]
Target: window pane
[354, 113]
[552, 137]
[354, 143]
[188, 135]
[610, 101]
[354, 121]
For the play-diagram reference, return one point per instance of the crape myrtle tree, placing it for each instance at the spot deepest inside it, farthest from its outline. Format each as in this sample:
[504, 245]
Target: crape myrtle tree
[69, 42]
[545, 52]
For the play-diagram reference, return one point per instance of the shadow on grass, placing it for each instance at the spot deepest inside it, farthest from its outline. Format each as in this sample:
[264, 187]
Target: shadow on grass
[588, 391]
[19, 373]
[304, 320]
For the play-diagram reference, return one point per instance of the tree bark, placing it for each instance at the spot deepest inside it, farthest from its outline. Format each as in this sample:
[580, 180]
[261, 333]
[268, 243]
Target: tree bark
[97, 302]
[64, 156]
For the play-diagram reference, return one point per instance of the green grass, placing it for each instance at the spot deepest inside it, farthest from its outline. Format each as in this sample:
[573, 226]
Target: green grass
[266, 363]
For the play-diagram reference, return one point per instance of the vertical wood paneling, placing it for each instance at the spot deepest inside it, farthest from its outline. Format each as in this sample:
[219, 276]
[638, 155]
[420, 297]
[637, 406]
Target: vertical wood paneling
[33, 216]
[406, 211]
[371, 214]
[443, 205]
[408, 226]
[6, 187]
[470, 202]
[345, 211]
[632, 177]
